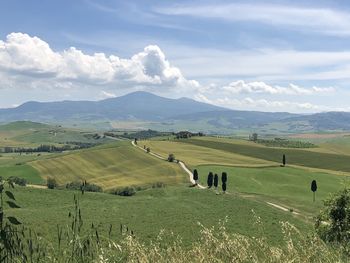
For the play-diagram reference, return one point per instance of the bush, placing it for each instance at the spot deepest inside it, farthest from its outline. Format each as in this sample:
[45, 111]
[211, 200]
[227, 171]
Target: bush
[158, 185]
[171, 157]
[17, 180]
[333, 222]
[87, 187]
[51, 183]
[124, 191]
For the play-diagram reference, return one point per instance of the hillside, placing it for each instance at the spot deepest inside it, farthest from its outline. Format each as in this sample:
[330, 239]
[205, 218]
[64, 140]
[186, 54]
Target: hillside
[142, 110]
[133, 106]
[110, 166]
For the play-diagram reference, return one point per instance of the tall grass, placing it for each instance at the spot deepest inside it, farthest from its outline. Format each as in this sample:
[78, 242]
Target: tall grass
[215, 244]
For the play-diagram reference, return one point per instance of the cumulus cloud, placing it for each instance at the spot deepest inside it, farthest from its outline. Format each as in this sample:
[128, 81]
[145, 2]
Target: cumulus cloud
[106, 95]
[241, 87]
[261, 104]
[31, 57]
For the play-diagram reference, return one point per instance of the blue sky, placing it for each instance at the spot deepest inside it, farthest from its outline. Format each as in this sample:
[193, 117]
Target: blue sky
[251, 55]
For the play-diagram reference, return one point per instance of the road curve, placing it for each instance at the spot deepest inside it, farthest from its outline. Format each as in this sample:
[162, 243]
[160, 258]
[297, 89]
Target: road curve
[182, 164]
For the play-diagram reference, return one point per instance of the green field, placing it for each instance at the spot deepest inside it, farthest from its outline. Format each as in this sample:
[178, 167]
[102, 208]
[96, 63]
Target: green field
[176, 209]
[194, 155]
[306, 158]
[285, 186]
[30, 134]
[255, 178]
[115, 165]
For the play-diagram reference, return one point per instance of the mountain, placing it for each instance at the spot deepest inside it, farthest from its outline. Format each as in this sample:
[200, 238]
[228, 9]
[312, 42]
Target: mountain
[323, 121]
[155, 112]
[134, 106]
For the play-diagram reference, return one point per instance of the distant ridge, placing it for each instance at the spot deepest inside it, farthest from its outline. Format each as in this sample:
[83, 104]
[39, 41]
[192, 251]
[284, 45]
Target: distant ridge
[173, 114]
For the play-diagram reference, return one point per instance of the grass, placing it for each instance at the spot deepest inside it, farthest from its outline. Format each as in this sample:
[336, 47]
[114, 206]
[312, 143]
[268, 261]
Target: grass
[115, 165]
[176, 209]
[194, 155]
[287, 186]
[22, 171]
[335, 162]
[30, 134]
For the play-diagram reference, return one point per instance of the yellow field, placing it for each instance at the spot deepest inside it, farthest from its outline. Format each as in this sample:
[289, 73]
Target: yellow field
[111, 167]
[196, 155]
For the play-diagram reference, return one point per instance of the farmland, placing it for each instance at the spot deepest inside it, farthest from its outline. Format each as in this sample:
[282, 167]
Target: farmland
[257, 185]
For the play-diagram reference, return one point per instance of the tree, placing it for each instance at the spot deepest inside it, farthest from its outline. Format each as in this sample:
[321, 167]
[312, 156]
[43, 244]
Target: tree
[224, 187]
[224, 177]
[216, 181]
[332, 224]
[314, 187]
[195, 176]
[171, 157]
[210, 179]
[284, 160]
[254, 137]
[51, 183]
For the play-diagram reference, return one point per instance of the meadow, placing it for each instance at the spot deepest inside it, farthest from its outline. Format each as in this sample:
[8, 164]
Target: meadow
[176, 209]
[115, 165]
[257, 184]
[300, 157]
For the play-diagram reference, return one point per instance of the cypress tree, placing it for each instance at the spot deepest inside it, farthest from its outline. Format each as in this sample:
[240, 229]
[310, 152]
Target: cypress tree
[284, 160]
[216, 181]
[195, 176]
[224, 177]
[210, 179]
[314, 187]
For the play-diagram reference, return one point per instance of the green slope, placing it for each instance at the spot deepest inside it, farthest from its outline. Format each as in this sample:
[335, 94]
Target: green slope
[305, 158]
[118, 165]
[176, 209]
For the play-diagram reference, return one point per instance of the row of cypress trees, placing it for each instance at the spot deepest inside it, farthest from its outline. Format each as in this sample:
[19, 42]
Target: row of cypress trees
[213, 180]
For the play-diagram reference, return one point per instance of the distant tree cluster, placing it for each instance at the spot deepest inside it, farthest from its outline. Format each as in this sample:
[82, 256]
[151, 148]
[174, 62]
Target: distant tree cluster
[279, 142]
[187, 134]
[143, 135]
[49, 148]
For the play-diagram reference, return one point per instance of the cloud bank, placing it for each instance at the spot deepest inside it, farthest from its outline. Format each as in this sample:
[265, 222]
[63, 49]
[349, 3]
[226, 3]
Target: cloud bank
[29, 57]
[28, 62]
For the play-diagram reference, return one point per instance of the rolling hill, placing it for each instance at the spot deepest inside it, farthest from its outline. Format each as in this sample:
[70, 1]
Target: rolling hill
[142, 110]
[110, 166]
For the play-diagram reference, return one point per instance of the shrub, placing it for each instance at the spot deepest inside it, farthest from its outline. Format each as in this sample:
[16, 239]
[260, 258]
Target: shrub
[17, 180]
[51, 183]
[158, 185]
[124, 191]
[332, 224]
[171, 157]
[87, 187]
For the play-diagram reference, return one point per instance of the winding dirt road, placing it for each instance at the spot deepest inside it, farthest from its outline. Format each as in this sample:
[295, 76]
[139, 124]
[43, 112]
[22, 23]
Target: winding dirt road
[182, 164]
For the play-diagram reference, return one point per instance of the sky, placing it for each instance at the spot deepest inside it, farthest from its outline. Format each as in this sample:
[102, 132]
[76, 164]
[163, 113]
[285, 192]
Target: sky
[249, 55]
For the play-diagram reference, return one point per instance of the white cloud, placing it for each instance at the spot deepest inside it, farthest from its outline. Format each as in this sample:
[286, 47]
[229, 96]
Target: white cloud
[106, 95]
[262, 104]
[320, 20]
[31, 58]
[241, 87]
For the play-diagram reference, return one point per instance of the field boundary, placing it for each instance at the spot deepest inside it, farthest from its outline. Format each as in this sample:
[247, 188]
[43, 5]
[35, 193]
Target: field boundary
[181, 164]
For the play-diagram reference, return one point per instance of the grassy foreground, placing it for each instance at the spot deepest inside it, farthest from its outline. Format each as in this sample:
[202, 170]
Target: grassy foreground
[176, 209]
